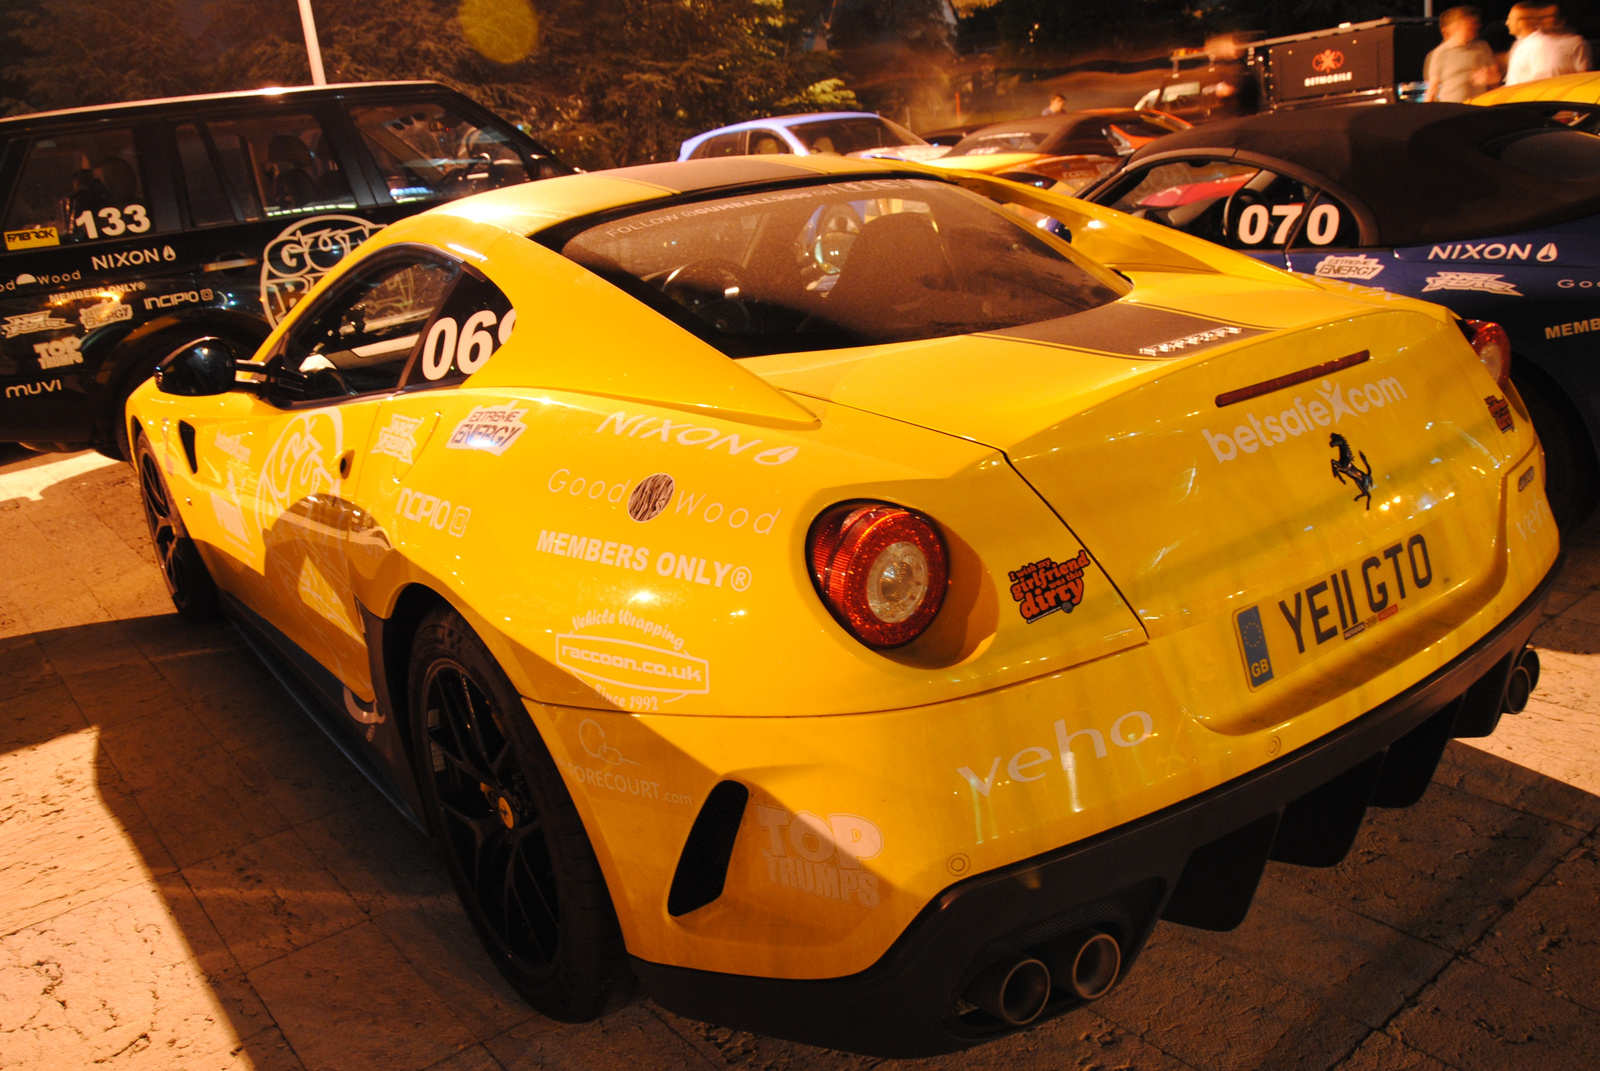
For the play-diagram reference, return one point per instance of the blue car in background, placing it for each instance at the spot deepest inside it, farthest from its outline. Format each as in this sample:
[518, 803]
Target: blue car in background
[844, 133]
[1493, 212]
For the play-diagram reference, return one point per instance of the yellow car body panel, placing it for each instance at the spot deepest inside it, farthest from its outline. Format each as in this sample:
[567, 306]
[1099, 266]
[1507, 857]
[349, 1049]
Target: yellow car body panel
[661, 656]
[1581, 88]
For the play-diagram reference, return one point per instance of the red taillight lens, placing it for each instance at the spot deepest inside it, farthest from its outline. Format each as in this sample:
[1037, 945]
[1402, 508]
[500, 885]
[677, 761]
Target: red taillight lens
[1493, 346]
[881, 570]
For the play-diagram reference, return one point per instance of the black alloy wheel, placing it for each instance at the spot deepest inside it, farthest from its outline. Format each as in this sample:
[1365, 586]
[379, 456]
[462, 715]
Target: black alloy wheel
[193, 591]
[511, 837]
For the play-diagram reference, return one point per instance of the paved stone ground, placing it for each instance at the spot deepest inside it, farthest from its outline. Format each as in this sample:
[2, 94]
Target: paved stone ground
[191, 877]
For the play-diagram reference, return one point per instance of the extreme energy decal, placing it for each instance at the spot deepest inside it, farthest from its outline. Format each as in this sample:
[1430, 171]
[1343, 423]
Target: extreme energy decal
[1280, 636]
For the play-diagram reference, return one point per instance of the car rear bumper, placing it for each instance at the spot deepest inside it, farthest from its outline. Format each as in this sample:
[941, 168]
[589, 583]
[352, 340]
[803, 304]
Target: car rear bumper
[1196, 862]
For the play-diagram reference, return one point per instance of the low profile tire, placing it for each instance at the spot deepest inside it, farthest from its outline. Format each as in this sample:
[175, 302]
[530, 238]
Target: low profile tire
[1572, 476]
[189, 582]
[509, 833]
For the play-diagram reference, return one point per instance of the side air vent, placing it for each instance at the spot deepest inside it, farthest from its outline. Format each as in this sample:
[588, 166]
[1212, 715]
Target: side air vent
[703, 866]
[186, 435]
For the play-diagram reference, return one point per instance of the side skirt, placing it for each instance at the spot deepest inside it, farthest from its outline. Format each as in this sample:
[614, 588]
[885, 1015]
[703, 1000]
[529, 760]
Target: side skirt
[322, 696]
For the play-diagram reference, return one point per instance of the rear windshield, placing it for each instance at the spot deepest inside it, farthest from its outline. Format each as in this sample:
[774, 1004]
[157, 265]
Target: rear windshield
[1550, 153]
[852, 135]
[837, 265]
[1001, 141]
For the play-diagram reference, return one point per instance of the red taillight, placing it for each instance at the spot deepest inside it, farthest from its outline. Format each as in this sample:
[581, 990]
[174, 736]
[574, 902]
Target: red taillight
[1493, 346]
[880, 569]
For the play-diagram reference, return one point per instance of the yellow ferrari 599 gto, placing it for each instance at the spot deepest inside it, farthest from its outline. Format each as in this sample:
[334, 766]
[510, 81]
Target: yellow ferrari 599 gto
[800, 589]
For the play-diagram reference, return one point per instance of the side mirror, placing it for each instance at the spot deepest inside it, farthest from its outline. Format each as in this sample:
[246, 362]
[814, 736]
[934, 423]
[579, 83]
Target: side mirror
[202, 368]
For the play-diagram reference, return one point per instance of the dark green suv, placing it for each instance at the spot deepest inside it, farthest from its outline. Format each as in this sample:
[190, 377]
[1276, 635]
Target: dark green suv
[133, 229]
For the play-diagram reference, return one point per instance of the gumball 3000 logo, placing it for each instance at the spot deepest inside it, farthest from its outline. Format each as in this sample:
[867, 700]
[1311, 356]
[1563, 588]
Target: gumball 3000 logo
[293, 261]
[297, 466]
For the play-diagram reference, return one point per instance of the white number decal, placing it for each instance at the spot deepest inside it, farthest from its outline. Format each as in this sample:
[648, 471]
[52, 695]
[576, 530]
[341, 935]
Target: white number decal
[115, 224]
[475, 340]
[1254, 222]
[470, 345]
[1287, 213]
[1323, 225]
[439, 349]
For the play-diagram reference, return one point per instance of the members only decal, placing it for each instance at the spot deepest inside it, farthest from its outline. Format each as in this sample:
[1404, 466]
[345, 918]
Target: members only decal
[1284, 634]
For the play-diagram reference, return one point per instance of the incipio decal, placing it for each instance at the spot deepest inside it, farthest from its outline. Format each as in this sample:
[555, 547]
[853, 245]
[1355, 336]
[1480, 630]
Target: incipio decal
[1500, 409]
[1127, 330]
[1045, 586]
[650, 497]
[491, 428]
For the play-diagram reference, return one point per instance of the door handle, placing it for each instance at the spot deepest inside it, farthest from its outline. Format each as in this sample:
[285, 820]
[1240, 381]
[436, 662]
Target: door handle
[345, 461]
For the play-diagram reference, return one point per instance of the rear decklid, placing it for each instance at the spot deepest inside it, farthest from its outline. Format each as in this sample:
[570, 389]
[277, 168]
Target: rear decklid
[1290, 468]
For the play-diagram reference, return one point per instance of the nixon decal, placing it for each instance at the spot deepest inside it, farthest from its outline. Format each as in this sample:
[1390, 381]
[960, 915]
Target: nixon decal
[1045, 586]
[821, 856]
[131, 258]
[684, 433]
[1331, 405]
[1493, 251]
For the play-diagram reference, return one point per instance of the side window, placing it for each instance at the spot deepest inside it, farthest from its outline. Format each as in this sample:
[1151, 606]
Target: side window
[361, 341]
[1233, 204]
[766, 142]
[78, 188]
[197, 154]
[1328, 225]
[721, 145]
[278, 165]
[476, 320]
[426, 152]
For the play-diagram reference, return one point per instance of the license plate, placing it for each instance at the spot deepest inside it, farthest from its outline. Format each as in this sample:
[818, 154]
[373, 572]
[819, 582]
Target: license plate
[1281, 635]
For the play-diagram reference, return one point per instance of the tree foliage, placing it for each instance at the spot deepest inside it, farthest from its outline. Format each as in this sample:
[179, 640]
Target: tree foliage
[608, 83]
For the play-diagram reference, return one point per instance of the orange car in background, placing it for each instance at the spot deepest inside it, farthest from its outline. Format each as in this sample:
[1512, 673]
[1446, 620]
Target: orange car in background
[1073, 148]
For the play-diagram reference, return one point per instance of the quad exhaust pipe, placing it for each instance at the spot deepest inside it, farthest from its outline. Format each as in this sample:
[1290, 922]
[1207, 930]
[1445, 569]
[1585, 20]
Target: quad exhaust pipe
[1520, 684]
[1017, 989]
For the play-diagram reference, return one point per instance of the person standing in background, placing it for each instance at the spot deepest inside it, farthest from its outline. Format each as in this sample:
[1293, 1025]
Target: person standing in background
[1463, 66]
[1538, 52]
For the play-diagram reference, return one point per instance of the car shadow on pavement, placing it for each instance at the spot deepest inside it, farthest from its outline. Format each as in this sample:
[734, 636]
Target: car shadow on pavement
[191, 873]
